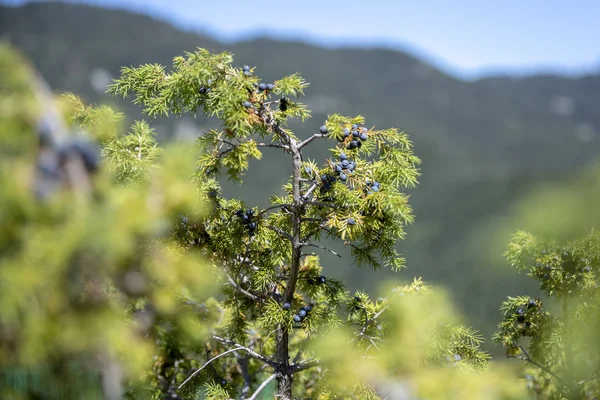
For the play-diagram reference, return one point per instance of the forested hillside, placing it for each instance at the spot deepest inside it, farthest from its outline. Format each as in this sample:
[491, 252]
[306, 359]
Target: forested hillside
[482, 143]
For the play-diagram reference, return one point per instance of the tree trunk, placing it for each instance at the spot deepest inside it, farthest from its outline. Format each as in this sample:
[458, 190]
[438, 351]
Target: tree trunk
[284, 373]
[284, 377]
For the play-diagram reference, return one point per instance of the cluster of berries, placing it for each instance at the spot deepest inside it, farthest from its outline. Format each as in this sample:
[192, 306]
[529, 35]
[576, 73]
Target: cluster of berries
[327, 180]
[521, 314]
[359, 135]
[284, 104]
[317, 281]
[343, 167]
[206, 89]
[302, 313]
[571, 271]
[374, 186]
[454, 358]
[246, 218]
[266, 86]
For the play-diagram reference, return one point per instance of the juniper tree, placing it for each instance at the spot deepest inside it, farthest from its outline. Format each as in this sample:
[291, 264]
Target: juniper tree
[276, 293]
[557, 337]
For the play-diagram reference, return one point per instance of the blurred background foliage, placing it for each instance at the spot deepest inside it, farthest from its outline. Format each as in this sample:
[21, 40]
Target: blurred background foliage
[75, 265]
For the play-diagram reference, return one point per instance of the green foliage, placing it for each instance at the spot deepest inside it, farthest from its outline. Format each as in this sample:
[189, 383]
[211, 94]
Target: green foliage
[277, 300]
[556, 337]
[85, 277]
[130, 157]
[141, 253]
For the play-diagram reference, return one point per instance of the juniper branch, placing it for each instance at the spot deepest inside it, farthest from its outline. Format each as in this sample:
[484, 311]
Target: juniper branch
[310, 190]
[273, 208]
[196, 372]
[323, 204]
[281, 232]
[369, 321]
[322, 248]
[238, 347]
[240, 289]
[533, 362]
[305, 365]
[275, 145]
[310, 139]
[261, 387]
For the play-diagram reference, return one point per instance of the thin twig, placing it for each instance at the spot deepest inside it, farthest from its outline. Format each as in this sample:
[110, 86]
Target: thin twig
[228, 142]
[371, 320]
[310, 219]
[298, 355]
[310, 190]
[531, 361]
[206, 364]
[247, 350]
[222, 153]
[273, 207]
[323, 204]
[322, 248]
[262, 386]
[276, 145]
[332, 233]
[281, 232]
[264, 341]
[310, 139]
[240, 289]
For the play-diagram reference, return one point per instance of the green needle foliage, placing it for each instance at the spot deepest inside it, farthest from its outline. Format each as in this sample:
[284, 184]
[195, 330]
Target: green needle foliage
[163, 288]
[277, 299]
[557, 338]
[88, 271]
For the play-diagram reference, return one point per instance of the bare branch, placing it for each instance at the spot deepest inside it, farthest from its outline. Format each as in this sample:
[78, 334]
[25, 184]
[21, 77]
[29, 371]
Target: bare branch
[531, 361]
[247, 350]
[298, 355]
[323, 204]
[275, 145]
[222, 153]
[274, 207]
[369, 321]
[305, 365]
[206, 364]
[261, 387]
[310, 139]
[228, 142]
[322, 248]
[240, 289]
[281, 232]
[308, 219]
[309, 191]
[269, 120]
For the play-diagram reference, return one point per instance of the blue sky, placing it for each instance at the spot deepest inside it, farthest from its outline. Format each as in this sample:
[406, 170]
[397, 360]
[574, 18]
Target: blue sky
[464, 37]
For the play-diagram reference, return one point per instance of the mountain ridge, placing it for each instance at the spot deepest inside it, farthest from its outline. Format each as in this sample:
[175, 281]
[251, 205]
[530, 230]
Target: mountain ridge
[345, 42]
